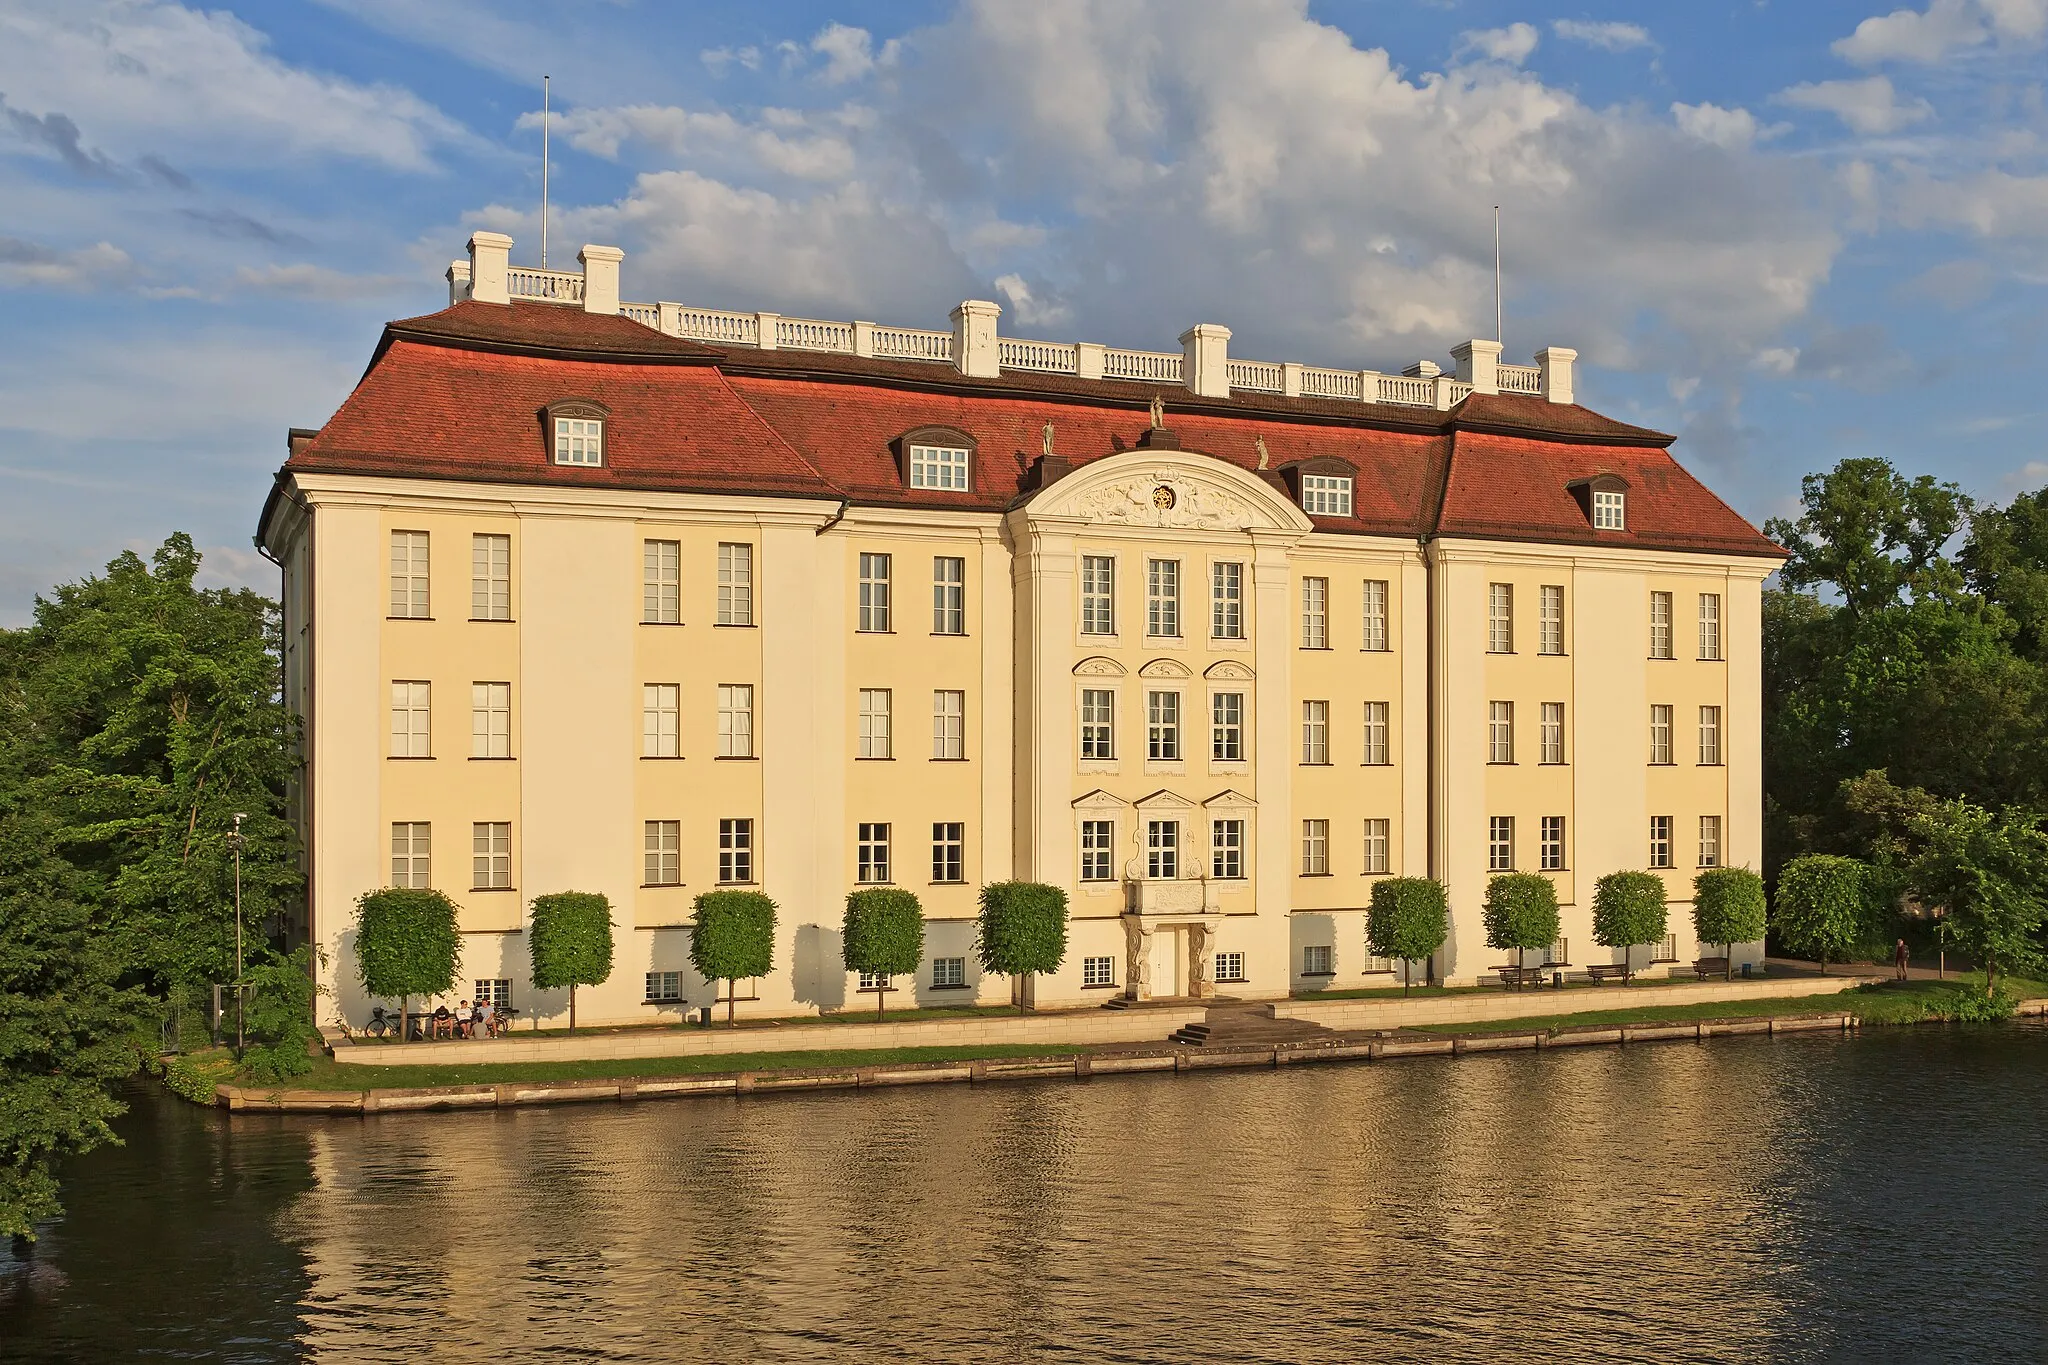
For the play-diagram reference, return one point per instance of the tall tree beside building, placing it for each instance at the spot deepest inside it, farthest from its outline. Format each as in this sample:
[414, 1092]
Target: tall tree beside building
[1628, 912]
[1521, 913]
[1820, 909]
[1989, 872]
[882, 935]
[732, 938]
[1728, 908]
[407, 943]
[1408, 921]
[569, 936]
[1022, 930]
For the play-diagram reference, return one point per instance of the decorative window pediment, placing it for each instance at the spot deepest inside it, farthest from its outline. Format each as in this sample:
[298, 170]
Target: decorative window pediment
[1163, 800]
[1228, 670]
[1099, 666]
[575, 430]
[1100, 800]
[1230, 799]
[1166, 668]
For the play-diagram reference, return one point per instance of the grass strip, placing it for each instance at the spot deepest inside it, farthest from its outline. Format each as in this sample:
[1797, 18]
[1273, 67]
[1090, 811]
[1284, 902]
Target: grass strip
[1889, 1002]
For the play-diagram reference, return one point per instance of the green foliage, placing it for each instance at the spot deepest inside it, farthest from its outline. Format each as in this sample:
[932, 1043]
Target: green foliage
[1628, 910]
[883, 932]
[1728, 906]
[1022, 928]
[193, 1078]
[1969, 1001]
[1408, 920]
[1989, 872]
[570, 939]
[2007, 562]
[1872, 534]
[1520, 911]
[407, 942]
[1819, 910]
[732, 937]
[279, 1022]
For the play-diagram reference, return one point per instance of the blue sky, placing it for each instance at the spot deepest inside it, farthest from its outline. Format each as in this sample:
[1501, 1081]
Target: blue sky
[1789, 233]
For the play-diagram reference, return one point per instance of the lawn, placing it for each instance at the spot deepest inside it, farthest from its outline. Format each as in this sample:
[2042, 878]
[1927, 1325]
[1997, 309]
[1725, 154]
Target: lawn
[1641, 983]
[523, 1027]
[1889, 1002]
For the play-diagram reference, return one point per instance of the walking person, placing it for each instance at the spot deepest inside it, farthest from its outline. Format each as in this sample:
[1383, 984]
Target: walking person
[1899, 959]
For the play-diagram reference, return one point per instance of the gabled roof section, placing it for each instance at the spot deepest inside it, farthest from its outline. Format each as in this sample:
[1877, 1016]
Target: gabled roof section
[546, 329]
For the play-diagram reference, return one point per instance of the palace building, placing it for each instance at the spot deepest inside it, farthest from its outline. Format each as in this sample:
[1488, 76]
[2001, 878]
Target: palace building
[648, 600]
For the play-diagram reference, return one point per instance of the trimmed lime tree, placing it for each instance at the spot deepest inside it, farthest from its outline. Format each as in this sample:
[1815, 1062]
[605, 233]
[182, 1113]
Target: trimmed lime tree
[1520, 913]
[1628, 909]
[1819, 910]
[570, 940]
[1022, 930]
[733, 936]
[1728, 908]
[882, 934]
[1409, 919]
[407, 944]
[1990, 872]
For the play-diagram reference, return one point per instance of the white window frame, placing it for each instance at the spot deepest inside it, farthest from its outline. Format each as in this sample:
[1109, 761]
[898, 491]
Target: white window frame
[1318, 959]
[1500, 618]
[1226, 600]
[490, 577]
[736, 851]
[735, 720]
[876, 571]
[1710, 736]
[876, 724]
[1710, 841]
[949, 852]
[1098, 850]
[1162, 599]
[871, 982]
[663, 988]
[1661, 840]
[949, 724]
[661, 582]
[1373, 636]
[579, 441]
[1500, 843]
[949, 973]
[946, 467]
[1500, 732]
[1550, 843]
[1162, 850]
[412, 847]
[1226, 849]
[490, 720]
[1379, 846]
[735, 583]
[1162, 727]
[871, 853]
[490, 855]
[411, 582]
[1098, 724]
[1710, 626]
[1315, 848]
[1230, 967]
[1315, 613]
[1550, 733]
[1098, 971]
[1326, 495]
[1315, 734]
[949, 595]
[412, 718]
[1660, 735]
[1098, 594]
[1226, 727]
[662, 850]
[1550, 619]
[1610, 510]
[1378, 749]
[1660, 625]
[495, 991]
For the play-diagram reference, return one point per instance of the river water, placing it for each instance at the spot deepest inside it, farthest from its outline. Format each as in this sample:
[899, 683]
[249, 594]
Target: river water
[1873, 1197]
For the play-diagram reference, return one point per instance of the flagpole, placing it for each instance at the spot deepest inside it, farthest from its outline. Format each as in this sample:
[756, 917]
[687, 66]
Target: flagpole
[1499, 333]
[544, 173]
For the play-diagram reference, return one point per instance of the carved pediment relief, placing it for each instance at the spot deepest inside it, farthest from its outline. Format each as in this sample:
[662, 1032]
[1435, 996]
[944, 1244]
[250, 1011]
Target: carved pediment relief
[1099, 666]
[1228, 670]
[1169, 489]
[1100, 800]
[1166, 668]
[1163, 800]
[1229, 798]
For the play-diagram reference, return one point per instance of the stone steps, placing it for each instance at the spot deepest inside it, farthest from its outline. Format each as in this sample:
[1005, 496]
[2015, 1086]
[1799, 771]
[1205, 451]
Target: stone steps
[1239, 1026]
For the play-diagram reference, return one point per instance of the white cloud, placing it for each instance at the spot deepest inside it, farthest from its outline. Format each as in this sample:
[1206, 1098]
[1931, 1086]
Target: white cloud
[1613, 37]
[849, 53]
[1779, 360]
[784, 141]
[718, 60]
[1945, 26]
[307, 281]
[1026, 309]
[1512, 44]
[1992, 203]
[1733, 129]
[30, 265]
[1869, 106]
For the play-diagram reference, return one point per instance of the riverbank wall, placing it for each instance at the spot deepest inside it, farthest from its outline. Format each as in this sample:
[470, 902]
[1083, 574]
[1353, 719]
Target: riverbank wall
[1422, 1011]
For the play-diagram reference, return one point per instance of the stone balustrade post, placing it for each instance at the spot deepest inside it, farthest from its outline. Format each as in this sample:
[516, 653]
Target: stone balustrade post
[1205, 360]
[1478, 364]
[975, 350]
[1555, 364]
[601, 278]
[490, 267]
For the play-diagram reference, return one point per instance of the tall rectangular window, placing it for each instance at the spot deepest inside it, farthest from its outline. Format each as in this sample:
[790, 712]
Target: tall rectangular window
[874, 594]
[411, 720]
[1315, 732]
[1660, 625]
[949, 595]
[1226, 850]
[1378, 748]
[1374, 639]
[872, 853]
[411, 842]
[1551, 732]
[874, 723]
[1098, 595]
[1609, 511]
[409, 595]
[1500, 843]
[1660, 734]
[735, 584]
[938, 467]
[661, 711]
[949, 724]
[949, 851]
[663, 861]
[1500, 618]
[1316, 960]
[1710, 736]
[1550, 619]
[1552, 844]
[1162, 849]
[1500, 732]
[1315, 613]
[1660, 841]
[1710, 625]
[949, 973]
[1315, 848]
[1226, 601]
[490, 849]
[735, 720]
[1098, 843]
[1378, 845]
[490, 578]
[1098, 723]
[1226, 729]
[661, 582]
[490, 720]
[1162, 598]
[736, 851]
[1710, 841]
[1162, 727]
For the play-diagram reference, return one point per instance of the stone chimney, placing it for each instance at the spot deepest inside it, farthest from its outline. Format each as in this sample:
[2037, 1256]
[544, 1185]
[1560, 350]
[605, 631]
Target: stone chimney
[1205, 359]
[1555, 362]
[601, 278]
[1478, 364]
[458, 282]
[490, 267]
[975, 351]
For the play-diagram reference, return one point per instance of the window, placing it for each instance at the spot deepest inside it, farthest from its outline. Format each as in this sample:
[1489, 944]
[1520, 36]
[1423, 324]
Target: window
[1098, 595]
[1098, 725]
[1226, 601]
[1710, 625]
[1226, 849]
[1315, 613]
[872, 981]
[873, 855]
[874, 594]
[1162, 598]
[1230, 966]
[735, 720]
[495, 991]
[1558, 954]
[1377, 847]
[949, 973]
[1377, 752]
[949, 595]
[1667, 951]
[1374, 638]
[1500, 732]
[579, 440]
[1550, 619]
[411, 841]
[735, 585]
[1608, 511]
[490, 850]
[1660, 841]
[409, 596]
[1098, 971]
[1315, 848]
[1326, 495]
[1660, 734]
[664, 848]
[1550, 733]
[1710, 841]
[1097, 839]
[949, 724]
[736, 851]
[1500, 618]
[1710, 736]
[1226, 729]
[410, 720]
[949, 851]
[1162, 727]
[1315, 732]
[1500, 843]
[1316, 959]
[661, 582]
[1162, 849]
[660, 719]
[1660, 625]
[490, 720]
[664, 987]
[490, 578]
[1551, 858]
[938, 467]
[874, 723]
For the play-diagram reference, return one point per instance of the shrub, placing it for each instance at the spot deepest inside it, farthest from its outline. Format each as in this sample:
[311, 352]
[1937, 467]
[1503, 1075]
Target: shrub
[570, 939]
[1409, 919]
[1728, 908]
[1819, 909]
[407, 944]
[279, 1023]
[1628, 909]
[732, 937]
[1521, 912]
[883, 933]
[1022, 929]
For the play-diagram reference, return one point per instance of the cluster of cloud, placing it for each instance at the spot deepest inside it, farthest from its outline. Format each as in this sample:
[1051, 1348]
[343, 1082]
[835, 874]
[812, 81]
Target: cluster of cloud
[1942, 29]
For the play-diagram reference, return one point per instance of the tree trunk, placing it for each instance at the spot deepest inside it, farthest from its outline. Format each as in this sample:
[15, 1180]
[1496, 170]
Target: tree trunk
[732, 988]
[1727, 962]
[572, 1007]
[1990, 978]
[881, 994]
[404, 1034]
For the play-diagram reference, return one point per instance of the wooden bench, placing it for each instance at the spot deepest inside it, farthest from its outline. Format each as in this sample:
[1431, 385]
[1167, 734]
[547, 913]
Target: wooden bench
[1606, 971]
[1710, 967]
[1514, 978]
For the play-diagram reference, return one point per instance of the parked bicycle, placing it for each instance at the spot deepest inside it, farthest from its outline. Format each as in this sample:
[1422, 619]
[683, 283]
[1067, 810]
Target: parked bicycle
[381, 1025]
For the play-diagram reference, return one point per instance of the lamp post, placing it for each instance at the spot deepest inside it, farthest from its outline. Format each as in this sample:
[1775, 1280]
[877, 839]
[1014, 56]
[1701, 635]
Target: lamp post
[235, 844]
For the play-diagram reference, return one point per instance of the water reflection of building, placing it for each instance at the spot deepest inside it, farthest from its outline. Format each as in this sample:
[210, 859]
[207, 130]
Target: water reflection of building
[645, 600]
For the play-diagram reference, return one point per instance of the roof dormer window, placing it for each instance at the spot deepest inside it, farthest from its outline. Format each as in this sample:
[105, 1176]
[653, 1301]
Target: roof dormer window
[934, 466]
[1602, 500]
[576, 432]
[1610, 510]
[1326, 495]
